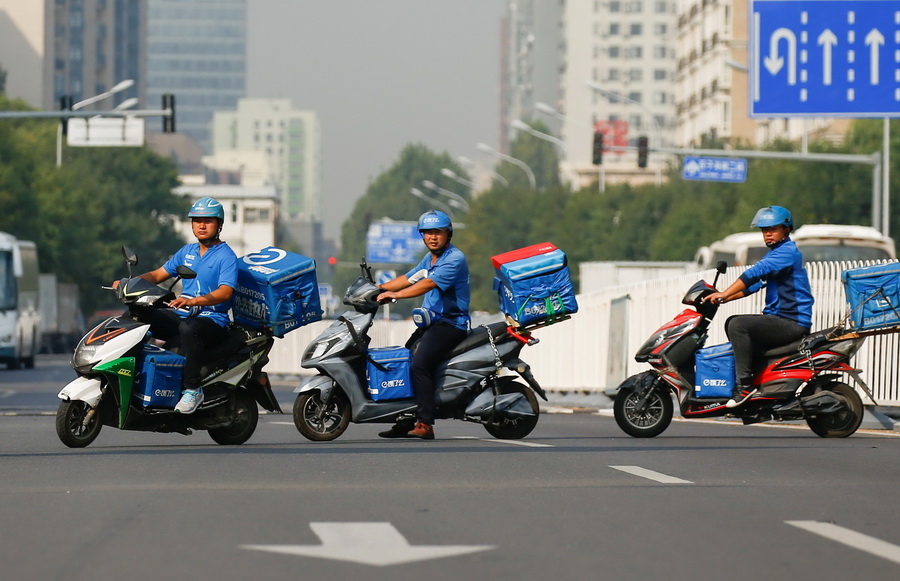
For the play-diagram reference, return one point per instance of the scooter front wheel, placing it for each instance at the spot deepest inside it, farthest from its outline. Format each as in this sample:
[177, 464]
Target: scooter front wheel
[643, 415]
[319, 421]
[71, 427]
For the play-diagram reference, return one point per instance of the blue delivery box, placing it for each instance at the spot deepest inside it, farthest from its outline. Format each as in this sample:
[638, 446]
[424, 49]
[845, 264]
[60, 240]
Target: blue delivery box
[873, 293]
[158, 382]
[534, 284]
[387, 373]
[715, 371]
[277, 290]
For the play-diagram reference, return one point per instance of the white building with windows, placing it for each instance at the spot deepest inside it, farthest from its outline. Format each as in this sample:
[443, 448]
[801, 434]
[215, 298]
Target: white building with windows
[250, 214]
[292, 142]
[614, 72]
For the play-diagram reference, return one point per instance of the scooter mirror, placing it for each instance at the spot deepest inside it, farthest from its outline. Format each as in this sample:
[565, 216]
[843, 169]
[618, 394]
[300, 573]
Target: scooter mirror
[721, 267]
[185, 272]
[130, 256]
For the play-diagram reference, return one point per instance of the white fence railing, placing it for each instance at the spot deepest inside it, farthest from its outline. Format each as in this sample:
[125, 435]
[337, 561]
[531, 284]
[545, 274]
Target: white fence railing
[594, 350]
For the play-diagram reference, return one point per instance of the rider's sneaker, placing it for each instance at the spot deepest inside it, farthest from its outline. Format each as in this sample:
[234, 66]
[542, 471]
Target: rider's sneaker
[399, 430]
[190, 401]
[423, 431]
[740, 395]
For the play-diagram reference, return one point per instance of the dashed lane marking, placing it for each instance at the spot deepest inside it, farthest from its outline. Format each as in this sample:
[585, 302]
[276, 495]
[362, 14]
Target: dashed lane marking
[651, 475]
[850, 538]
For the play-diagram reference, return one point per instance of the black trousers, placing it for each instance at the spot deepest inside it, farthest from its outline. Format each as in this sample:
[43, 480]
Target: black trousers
[758, 332]
[195, 335]
[429, 347]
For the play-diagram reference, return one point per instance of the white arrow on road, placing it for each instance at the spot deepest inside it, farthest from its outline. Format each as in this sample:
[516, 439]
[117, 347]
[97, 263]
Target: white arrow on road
[368, 543]
[775, 62]
[874, 39]
[827, 40]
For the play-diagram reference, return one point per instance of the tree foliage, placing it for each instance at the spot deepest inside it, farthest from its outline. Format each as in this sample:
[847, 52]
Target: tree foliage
[647, 223]
[80, 214]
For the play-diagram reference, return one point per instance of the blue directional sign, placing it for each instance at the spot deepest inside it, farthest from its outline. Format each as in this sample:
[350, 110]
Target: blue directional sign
[824, 58]
[394, 243]
[714, 169]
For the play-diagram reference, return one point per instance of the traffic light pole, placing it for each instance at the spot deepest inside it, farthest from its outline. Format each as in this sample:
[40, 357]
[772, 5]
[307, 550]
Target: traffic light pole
[880, 195]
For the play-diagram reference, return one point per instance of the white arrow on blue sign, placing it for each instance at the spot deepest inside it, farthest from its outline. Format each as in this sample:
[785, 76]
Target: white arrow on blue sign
[714, 169]
[393, 243]
[825, 58]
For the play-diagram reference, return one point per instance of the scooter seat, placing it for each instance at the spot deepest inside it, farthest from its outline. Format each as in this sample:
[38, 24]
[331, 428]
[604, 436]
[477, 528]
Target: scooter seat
[783, 350]
[478, 336]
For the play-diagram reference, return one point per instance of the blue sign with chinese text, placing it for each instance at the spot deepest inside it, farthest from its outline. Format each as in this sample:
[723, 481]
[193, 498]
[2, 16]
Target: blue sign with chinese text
[394, 243]
[824, 58]
[714, 169]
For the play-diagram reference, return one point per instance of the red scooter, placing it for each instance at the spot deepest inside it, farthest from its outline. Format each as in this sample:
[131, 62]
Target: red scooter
[801, 380]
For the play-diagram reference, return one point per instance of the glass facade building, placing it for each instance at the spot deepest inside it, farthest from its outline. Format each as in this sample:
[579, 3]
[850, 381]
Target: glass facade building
[197, 50]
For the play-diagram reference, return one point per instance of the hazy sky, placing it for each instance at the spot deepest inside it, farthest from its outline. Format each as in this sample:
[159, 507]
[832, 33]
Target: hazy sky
[380, 74]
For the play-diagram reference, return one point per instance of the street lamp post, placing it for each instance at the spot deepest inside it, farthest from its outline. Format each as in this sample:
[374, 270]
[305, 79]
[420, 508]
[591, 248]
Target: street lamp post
[518, 162]
[522, 126]
[117, 88]
[453, 176]
[466, 162]
[442, 206]
[461, 202]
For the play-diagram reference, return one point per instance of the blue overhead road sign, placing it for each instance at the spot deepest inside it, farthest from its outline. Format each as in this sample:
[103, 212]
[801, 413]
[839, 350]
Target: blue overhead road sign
[393, 243]
[824, 58]
[714, 169]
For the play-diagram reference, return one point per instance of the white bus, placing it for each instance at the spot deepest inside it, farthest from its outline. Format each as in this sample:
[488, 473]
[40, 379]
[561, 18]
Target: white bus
[817, 242]
[20, 335]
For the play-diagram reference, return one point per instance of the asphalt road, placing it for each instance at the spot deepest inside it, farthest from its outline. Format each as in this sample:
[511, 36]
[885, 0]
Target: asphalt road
[576, 500]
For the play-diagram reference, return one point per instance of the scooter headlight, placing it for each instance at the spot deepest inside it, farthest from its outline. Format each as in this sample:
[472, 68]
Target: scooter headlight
[85, 358]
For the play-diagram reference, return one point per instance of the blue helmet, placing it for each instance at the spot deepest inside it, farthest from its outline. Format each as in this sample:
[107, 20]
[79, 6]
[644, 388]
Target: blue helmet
[435, 220]
[772, 216]
[207, 208]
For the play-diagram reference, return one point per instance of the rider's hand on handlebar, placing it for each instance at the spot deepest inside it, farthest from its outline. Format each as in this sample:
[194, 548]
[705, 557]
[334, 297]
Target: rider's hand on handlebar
[387, 297]
[715, 298]
[181, 302]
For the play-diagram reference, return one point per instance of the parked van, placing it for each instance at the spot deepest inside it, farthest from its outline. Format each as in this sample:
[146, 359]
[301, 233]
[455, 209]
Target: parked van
[20, 335]
[817, 242]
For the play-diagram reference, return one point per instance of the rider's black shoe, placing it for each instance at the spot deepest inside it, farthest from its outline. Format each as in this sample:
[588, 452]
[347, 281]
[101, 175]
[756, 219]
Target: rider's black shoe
[400, 430]
[740, 395]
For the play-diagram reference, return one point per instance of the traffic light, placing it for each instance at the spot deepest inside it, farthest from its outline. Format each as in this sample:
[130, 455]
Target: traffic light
[642, 151]
[598, 148]
[65, 104]
[168, 103]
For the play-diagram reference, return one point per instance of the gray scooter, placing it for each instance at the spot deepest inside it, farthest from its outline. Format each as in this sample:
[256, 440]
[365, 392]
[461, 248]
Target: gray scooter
[469, 385]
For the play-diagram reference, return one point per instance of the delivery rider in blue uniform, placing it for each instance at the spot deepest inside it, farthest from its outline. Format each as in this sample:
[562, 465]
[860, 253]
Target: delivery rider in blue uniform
[443, 320]
[216, 267]
[787, 315]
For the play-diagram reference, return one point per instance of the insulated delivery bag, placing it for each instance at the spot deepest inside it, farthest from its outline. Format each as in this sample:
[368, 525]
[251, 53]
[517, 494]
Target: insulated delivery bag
[276, 290]
[715, 375]
[873, 293]
[387, 373]
[158, 382]
[534, 284]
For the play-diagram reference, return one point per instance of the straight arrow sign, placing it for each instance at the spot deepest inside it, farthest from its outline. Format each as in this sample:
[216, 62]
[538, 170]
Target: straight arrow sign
[372, 543]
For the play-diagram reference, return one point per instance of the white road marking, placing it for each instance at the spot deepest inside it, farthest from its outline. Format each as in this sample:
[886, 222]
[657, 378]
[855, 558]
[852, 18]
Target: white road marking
[850, 538]
[513, 442]
[368, 543]
[652, 475]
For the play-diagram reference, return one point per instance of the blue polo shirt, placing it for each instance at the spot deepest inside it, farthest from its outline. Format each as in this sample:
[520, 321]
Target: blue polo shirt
[781, 271]
[215, 268]
[450, 299]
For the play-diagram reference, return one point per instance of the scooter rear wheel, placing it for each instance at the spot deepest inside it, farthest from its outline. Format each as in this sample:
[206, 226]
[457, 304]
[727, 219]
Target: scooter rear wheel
[70, 424]
[318, 421]
[506, 428]
[841, 424]
[246, 418]
[647, 420]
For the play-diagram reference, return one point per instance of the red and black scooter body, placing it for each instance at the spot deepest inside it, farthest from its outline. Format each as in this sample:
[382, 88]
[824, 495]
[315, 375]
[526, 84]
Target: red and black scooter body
[795, 381]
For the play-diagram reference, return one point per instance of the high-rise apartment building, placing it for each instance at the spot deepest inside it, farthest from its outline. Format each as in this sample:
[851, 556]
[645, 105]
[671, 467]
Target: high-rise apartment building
[80, 48]
[292, 141]
[607, 65]
[197, 50]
